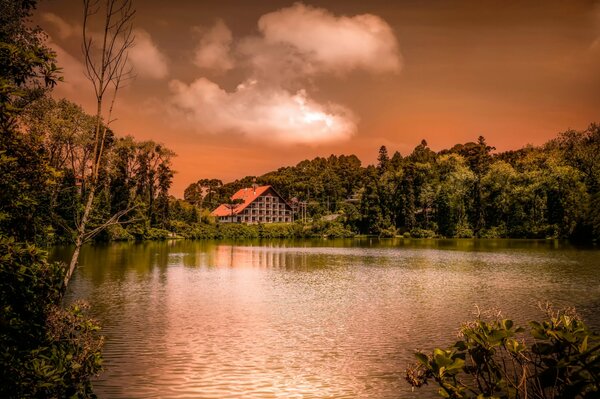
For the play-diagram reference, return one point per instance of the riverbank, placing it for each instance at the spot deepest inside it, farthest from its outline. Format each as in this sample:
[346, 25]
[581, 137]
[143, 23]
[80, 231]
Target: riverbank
[216, 231]
[297, 230]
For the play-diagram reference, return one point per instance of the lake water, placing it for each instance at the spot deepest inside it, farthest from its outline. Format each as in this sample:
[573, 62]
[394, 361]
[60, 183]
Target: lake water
[308, 319]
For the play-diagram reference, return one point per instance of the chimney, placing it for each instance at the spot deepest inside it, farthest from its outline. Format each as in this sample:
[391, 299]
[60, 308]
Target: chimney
[254, 185]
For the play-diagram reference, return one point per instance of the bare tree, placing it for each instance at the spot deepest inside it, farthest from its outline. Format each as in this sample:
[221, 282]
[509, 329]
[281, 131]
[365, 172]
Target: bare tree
[107, 68]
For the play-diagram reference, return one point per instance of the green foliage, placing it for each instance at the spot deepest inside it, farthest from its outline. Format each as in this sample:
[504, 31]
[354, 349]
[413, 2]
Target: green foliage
[47, 351]
[237, 231]
[157, 234]
[27, 65]
[119, 233]
[558, 358]
[279, 230]
[422, 233]
[389, 232]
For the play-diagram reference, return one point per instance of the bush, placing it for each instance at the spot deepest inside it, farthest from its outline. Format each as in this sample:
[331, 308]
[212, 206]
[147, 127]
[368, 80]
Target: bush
[157, 234]
[493, 232]
[203, 232]
[46, 351]
[389, 232]
[118, 233]
[236, 231]
[422, 233]
[463, 231]
[495, 359]
[277, 230]
[337, 231]
[323, 229]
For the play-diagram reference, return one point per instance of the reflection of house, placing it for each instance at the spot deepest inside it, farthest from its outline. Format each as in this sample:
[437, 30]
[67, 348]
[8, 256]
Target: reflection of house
[256, 205]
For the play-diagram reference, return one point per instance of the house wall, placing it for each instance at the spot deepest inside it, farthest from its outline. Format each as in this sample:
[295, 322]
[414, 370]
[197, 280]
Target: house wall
[267, 208]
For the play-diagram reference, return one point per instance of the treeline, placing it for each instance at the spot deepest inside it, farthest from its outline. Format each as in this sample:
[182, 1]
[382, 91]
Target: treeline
[53, 149]
[469, 190]
[47, 350]
[549, 191]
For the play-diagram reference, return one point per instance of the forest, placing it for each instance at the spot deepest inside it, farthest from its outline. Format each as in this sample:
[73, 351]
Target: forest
[469, 190]
[68, 178]
[55, 180]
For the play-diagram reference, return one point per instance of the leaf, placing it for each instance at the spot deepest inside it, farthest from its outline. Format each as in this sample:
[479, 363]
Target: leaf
[584, 344]
[422, 358]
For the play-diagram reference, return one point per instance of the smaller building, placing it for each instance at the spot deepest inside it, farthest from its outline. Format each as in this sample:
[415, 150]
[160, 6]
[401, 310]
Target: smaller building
[255, 205]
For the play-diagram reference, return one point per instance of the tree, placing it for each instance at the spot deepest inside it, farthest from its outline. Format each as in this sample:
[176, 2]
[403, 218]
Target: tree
[28, 71]
[28, 66]
[232, 204]
[106, 68]
[46, 350]
[383, 159]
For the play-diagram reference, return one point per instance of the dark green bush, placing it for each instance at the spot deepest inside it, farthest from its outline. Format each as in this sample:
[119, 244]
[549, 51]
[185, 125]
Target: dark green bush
[118, 233]
[278, 230]
[235, 231]
[157, 234]
[422, 233]
[46, 351]
[389, 232]
[559, 358]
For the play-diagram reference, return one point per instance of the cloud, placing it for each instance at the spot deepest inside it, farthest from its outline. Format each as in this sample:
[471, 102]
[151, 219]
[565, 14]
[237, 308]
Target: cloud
[294, 45]
[261, 112]
[146, 58]
[333, 43]
[64, 29]
[213, 51]
[75, 85]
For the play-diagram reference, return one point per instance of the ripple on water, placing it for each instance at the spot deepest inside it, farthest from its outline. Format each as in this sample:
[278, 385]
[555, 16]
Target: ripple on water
[202, 320]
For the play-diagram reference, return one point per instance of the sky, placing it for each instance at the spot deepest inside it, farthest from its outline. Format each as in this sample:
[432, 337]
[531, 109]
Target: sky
[239, 88]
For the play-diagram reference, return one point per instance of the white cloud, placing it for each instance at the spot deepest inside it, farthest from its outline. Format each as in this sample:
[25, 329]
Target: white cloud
[261, 112]
[146, 58]
[64, 29]
[213, 51]
[334, 43]
[295, 45]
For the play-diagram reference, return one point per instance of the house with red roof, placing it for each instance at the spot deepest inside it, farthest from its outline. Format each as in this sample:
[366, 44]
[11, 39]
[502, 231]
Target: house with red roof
[255, 205]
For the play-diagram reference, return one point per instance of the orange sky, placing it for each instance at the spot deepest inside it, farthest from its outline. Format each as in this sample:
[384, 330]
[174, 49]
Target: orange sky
[237, 89]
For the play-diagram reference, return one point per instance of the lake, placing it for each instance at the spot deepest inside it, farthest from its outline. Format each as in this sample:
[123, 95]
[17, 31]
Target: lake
[308, 319]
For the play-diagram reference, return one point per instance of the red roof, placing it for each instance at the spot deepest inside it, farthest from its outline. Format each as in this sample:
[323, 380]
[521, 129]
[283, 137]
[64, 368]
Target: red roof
[246, 194]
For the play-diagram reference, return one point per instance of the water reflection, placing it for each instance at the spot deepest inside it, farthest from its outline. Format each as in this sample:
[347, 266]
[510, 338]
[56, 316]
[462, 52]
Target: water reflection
[322, 319]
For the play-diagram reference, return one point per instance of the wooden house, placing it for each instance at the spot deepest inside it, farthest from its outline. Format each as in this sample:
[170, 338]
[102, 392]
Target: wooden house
[255, 205]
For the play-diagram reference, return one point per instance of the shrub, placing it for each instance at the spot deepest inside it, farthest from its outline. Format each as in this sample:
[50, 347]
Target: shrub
[46, 351]
[118, 233]
[463, 231]
[495, 359]
[422, 233]
[157, 234]
[277, 230]
[389, 232]
[337, 231]
[237, 231]
[493, 232]
[203, 232]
